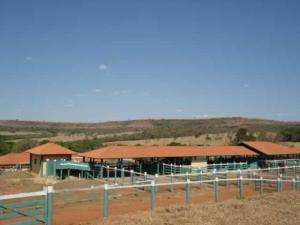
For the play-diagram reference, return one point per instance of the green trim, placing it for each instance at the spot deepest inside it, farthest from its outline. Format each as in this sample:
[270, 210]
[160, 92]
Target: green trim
[31, 213]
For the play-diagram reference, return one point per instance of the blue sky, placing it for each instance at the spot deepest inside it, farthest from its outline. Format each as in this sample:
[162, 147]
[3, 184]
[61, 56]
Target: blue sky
[118, 60]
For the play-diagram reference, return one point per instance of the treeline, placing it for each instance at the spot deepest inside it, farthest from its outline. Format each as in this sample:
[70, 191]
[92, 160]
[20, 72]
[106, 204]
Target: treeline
[291, 134]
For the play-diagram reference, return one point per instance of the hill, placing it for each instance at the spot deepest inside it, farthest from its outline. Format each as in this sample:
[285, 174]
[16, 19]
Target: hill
[86, 136]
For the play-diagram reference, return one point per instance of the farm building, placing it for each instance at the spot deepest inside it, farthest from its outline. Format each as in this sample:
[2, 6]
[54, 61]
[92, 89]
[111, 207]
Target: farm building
[50, 151]
[148, 157]
[15, 160]
[271, 151]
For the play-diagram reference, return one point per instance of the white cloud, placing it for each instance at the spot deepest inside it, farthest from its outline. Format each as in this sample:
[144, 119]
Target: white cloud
[179, 110]
[122, 92]
[102, 67]
[97, 90]
[69, 104]
[28, 59]
[246, 85]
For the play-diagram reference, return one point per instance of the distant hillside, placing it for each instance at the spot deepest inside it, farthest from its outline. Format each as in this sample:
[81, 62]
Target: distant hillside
[181, 127]
[16, 136]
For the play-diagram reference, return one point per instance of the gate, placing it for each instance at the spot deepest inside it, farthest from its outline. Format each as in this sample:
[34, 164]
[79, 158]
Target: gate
[27, 208]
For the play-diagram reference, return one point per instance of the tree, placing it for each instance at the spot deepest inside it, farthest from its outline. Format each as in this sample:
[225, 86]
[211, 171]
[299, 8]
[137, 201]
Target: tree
[4, 147]
[24, 145]
[243, 135]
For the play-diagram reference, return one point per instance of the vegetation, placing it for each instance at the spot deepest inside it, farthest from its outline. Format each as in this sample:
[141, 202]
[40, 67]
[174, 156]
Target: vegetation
[173, 143]
[290, 134]
[84, 145]
[20, 135]
[243, 135]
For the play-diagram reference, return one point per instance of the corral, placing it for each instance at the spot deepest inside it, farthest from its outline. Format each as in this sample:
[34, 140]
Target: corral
[82, 192]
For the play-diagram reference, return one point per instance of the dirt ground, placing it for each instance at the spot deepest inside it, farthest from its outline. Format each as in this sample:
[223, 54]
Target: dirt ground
[275, 209]
[85, 207]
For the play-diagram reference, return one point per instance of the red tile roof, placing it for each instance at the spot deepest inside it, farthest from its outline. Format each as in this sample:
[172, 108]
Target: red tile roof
[51, 149]
[117, 152]
[269, 148]
[14, 159]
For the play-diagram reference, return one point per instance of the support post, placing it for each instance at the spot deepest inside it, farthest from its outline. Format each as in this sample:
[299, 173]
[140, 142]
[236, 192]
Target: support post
[141, 169]
[48, 205]
[107, 172]
[277, 184]
[115, 170]
[61, 174]
[157, 168]
[294, 184]
[101, 172]
[122, 174]
[105, 201]
[163, 169]
[216, 189]
[200, 177]
[131, 177]
[156, 181]
[261, 185]
[241, 187]
[187, 192]
[153, 196]
[227, 181]
[68, 172]
[171, 182]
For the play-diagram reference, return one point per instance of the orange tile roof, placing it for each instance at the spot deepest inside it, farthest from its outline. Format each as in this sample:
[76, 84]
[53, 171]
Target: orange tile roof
[14, 159]
[51, 149]
[269, 148]
[117, 152]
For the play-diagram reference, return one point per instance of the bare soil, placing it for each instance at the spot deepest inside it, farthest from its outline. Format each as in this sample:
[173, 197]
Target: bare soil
[275, 209]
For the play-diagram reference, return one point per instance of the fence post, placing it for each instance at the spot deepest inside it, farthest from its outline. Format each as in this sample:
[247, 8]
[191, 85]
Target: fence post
[261, 185]
[216, 189]
[200, 177]
[105, 200]
[187, 176]
[180, 169]
[153, 195]
[278, 185]
[101, 172]
[122, 174]
[131, 176]
[294, 184]
[241, 187]
[294, 170]
[156, 181]
[297, 183]
[115, 169]
[48, 205]
[227, 181]
[187, 192]
[107, 172]
[171, 182]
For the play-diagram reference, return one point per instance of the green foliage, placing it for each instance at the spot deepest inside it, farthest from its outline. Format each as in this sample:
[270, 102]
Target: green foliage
[83, 145]
[24, 145]
[243, 135]
[173, 143]
[290, 134]
[44, 142]
[4, 147]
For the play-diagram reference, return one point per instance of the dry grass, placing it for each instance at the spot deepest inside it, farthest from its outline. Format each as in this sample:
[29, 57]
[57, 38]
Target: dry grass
[205, 139]
[278, 208]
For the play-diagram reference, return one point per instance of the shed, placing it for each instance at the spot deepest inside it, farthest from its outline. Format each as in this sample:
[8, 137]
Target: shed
[50, 151]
